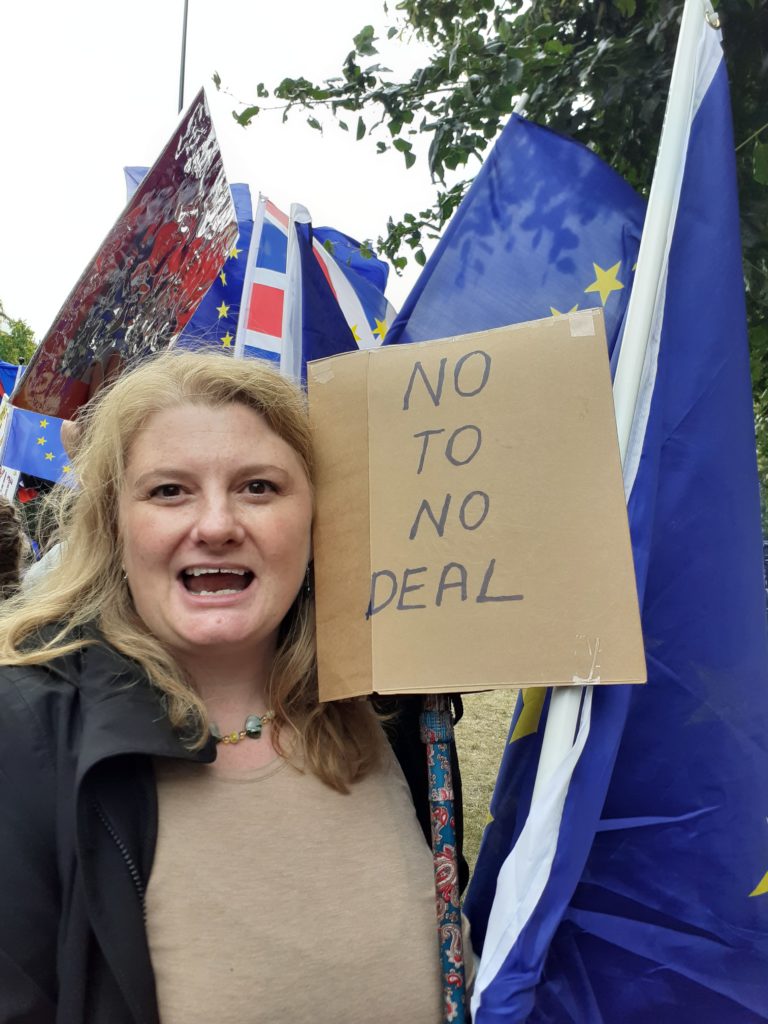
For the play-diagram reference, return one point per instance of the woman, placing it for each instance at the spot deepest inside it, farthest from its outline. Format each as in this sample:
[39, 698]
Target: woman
[150, 871]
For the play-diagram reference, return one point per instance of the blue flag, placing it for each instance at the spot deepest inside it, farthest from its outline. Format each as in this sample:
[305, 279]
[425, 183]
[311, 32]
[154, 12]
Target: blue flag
[649, 899]
[33, 446]
[545, 228]
[316, 323]
[349, 254]
[8, 374]
[213, 326]
[214, 323]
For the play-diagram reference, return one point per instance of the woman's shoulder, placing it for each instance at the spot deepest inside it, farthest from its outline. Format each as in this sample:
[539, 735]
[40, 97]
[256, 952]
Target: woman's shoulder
[30, 695]
[60, 675]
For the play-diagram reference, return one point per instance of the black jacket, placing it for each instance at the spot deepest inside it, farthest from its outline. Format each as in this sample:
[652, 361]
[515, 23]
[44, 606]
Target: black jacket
[78, 827]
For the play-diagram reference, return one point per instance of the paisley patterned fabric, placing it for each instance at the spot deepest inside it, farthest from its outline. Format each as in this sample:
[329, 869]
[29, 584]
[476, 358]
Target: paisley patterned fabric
[436, 733]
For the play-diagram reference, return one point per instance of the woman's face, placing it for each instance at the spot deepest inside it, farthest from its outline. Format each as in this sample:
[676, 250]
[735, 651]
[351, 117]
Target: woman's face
[214, 517]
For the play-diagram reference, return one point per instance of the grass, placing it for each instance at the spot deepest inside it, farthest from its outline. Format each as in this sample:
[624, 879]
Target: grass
[480, 738]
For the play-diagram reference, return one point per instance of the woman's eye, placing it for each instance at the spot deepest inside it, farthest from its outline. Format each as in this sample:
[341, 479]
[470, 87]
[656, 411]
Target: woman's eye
[260, 487]
[165, 491]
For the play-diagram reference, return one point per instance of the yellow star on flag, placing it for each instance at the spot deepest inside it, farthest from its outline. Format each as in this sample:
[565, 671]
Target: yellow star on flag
[762, 887]
[355, 335]
[556, 312]
[222, 310]
[43, 424]
[66, 469]
[223, 278]
[42, 440]
[381, 328]
[605, 281]
[227, 340]
[528, 721]
[49, 456]
[234, 252]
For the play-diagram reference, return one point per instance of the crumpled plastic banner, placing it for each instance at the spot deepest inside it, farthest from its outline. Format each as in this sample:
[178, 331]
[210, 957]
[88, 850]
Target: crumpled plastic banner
[146, 280]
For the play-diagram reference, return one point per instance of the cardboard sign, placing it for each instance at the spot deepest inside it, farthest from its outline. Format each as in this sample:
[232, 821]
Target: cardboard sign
[471, 529]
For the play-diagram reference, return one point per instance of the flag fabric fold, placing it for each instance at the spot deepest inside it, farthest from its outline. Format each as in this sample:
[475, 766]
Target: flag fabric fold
[33, 445]
[314, 324]
[260, 321]
[655, 905]
[9, 373]
[545, 228]
[356, 283]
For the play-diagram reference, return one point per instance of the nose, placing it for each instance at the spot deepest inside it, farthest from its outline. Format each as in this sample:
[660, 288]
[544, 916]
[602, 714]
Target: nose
[217, 523]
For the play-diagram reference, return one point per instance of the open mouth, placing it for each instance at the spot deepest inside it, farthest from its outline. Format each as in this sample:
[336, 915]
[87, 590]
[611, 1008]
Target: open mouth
[206, 581]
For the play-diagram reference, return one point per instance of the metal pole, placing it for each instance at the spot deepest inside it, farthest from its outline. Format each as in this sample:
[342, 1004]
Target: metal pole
[436, 733]
[563, 717]
[183, 56]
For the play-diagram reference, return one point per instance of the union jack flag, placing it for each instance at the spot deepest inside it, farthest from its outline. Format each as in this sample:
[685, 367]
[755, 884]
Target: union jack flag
[260, 329]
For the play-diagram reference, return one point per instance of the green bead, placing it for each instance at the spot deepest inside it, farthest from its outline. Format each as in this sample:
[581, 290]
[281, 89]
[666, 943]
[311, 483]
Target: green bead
[253, 726]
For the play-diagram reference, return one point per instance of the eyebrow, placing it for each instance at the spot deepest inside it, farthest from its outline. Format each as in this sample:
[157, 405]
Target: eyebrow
[255, 471]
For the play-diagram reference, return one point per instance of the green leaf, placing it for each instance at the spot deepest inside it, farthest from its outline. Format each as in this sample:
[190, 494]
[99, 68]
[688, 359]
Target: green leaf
[626, 7]
[245, 116]
[343, 125]
[392, 32]
[364, 42]
[314, 123]
[217, 79]
[760, 162]
[360, 133]
[421, 257]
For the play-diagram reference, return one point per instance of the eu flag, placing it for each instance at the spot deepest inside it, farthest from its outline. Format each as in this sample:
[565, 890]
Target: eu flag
[214, 323]
[545, 228]
[33, 446]
[643, 894]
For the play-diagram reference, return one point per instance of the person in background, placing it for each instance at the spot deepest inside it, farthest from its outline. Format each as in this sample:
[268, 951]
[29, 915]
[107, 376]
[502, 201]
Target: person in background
[14, 548]
[51, 556]
[187, 834]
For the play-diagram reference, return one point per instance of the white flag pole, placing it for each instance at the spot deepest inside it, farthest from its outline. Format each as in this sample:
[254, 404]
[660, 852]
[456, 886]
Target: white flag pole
[291, 345]
[650, 280]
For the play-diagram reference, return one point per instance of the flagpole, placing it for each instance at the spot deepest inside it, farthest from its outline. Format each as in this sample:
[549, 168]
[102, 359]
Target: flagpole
[650, 280]
[662, 206]
[291, 342]
[182, 69]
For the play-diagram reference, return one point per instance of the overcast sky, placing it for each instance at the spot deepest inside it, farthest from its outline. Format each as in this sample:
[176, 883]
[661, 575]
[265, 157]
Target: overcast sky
[89, 86]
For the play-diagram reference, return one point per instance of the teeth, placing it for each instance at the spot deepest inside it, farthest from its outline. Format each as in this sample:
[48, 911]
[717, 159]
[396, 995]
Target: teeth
[207, 572]
[211, 593]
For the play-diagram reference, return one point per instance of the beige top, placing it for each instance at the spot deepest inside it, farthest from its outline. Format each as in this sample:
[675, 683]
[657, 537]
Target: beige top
[275, 898]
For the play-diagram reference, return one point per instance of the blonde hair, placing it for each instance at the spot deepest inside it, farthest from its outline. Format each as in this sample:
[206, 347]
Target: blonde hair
[338, 742]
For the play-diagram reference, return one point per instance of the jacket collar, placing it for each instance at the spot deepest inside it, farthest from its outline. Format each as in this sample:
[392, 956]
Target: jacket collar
[123, 714]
